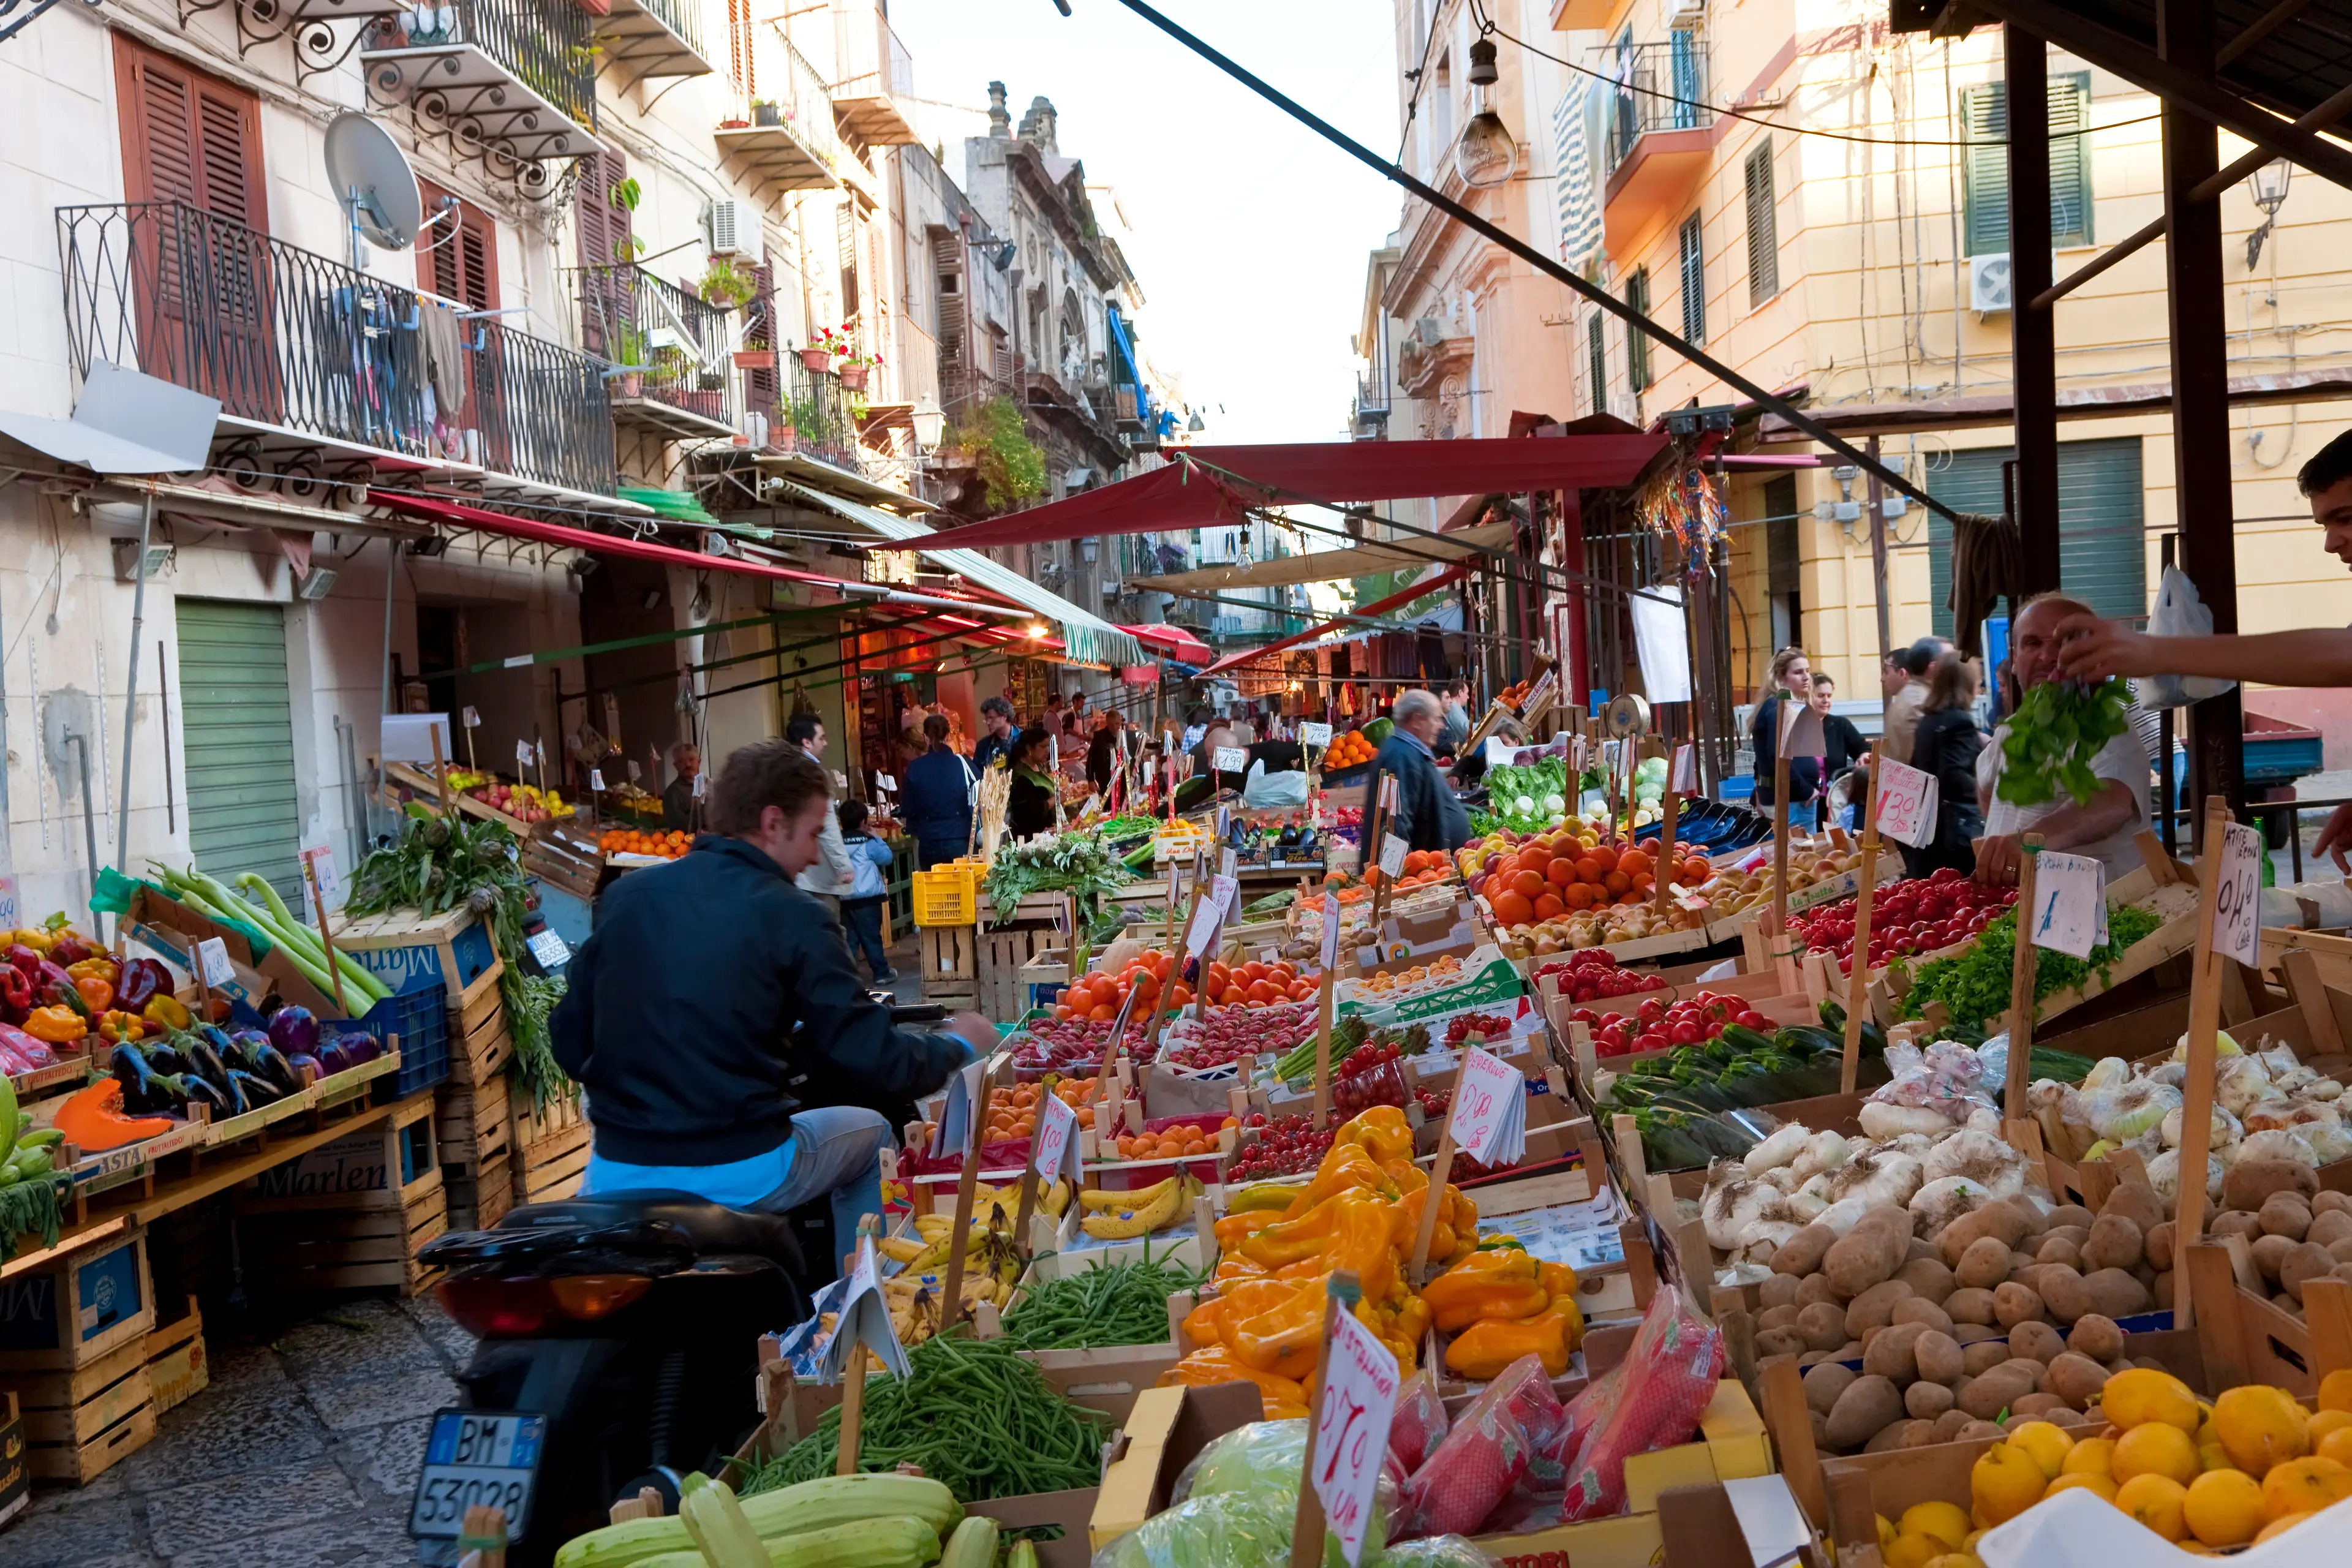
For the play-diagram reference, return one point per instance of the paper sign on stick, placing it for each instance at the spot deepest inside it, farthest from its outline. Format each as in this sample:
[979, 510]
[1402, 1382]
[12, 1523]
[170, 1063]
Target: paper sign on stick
[957, 1117]
[1393, 849]
[1907, 801]
[1057, 1135]
[522, 753]
[473, 720]
[2070, 898]
[1209, 914]
[1489, 1115]
[1353, 1409]
[320, 859]
[596, 781]
[2237, 903]
[1330, 930]
[864, 1324]
[1230, 759]
[8, 903]
[1682, 777]
[1314, 735]
[212, 963]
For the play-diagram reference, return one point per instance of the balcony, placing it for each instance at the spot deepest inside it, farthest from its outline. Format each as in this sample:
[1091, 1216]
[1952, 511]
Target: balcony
[515, 77]
[674, 377]
[878, 75]
[641, 40]
[781, 138]
[1370, 422]
[1661, 134]
[326, 374]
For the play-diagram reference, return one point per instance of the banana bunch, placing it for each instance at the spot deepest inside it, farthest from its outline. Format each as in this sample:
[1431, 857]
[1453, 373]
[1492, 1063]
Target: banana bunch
[1120, 1217]
[1051, 1201]
[927, 1249]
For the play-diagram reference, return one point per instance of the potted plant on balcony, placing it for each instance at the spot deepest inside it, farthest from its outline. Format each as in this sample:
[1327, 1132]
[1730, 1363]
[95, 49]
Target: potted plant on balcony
[728, 283]
[858, 369]
[708, 398]
[626, 345]
[765, 112]
[752, 356]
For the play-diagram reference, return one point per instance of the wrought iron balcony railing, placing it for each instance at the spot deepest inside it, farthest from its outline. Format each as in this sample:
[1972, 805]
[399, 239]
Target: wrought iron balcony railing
[286, 337]
[668, 345]
[1661, 87]
[546, 45]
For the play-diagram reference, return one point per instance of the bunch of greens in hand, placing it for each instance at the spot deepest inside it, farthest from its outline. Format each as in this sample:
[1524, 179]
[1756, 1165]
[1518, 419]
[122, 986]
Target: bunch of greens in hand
[2056, 731]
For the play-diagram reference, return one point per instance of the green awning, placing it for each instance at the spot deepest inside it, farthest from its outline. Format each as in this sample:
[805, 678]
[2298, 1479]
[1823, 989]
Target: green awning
[673, 506]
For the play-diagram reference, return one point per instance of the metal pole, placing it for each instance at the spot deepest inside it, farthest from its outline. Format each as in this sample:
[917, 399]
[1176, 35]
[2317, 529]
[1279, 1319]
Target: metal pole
[2033, 334]
[89, 817]
[384, 700]
[130, 679]
[1878, 560]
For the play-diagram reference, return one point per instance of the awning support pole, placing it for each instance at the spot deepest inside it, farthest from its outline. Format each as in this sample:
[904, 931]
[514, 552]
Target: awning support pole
[2033, 334]
[130, 678]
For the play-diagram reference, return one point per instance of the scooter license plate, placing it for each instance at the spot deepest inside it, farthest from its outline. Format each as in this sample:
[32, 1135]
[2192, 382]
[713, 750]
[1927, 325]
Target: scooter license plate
[488, 1457]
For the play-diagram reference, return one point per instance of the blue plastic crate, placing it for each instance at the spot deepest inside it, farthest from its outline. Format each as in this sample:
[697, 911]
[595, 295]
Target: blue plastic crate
[421, 1019]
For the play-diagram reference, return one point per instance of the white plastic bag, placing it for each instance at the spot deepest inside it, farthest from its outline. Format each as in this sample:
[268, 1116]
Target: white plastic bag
[1263, 790]
[2179, 613]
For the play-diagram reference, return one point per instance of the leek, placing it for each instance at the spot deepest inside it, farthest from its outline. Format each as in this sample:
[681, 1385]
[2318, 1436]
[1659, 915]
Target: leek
[353, 972]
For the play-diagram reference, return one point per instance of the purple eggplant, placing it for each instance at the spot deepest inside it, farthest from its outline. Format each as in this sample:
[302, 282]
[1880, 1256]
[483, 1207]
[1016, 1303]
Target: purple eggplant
[362, 1046]
[294, 1031]
[332, 1057]
[307, 1069]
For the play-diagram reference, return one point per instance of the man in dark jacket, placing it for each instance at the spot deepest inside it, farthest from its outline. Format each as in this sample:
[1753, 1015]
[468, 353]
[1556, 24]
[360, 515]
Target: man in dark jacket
[1426, 815]
[938, 798]
[707, 984]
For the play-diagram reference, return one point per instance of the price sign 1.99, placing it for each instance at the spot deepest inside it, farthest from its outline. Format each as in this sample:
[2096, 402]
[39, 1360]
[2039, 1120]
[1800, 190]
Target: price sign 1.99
[2237, 901]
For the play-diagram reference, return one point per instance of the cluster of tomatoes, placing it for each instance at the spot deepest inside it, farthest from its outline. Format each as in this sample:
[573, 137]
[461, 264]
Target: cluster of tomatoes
[1548, 878]
[1655, 1027]
[1098, 996]
[1906, 917]
[1284, 1146]
[1485, 1026]
[1254, 984]
[1228, 1035]
[1369, 1076]
[1592, 973]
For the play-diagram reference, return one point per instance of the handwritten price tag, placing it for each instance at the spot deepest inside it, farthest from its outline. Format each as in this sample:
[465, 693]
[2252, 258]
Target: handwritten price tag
[1387, 791]
[1330, 930]
[522, 753]
[956, 1115]
[2237, 903]
[1683, 778]
[1489, 1118]
[1231, 760]
[701, 785]
[2069, 902]
[320, 860]
[864, 1324]
[1353, 1409]
[212, 963]
[596, 780]
[1393, 851]
[1209, 914]
[472, 719]
[1057, 1135]
[1314, 735]
[1907, 803]
[8, 903]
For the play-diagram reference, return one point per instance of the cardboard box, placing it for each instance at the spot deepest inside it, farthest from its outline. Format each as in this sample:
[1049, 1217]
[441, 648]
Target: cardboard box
[1164, 1431]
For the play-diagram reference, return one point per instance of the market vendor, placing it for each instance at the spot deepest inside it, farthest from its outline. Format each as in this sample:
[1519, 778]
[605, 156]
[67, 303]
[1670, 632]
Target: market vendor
[2318, 656]
[2109, 823]
[680, 808]
[712, 982]
[996, 718]
[1029, 807]
[1426, 815]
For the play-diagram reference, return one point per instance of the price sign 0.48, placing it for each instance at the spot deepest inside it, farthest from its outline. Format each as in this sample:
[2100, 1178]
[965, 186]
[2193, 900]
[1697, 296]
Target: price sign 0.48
[2237, 902]
[1355, 1406]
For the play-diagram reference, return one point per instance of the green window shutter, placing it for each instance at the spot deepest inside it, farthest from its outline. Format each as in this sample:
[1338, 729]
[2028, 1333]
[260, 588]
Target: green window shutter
[1596, 351]
[1637, 344]
[1984, 123]
[1694, 260]
[2102, 550]
[237, 736]
[2070, 160]
[1763, 228]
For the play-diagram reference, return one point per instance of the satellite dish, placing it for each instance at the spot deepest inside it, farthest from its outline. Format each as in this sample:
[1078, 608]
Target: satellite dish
[373, 181]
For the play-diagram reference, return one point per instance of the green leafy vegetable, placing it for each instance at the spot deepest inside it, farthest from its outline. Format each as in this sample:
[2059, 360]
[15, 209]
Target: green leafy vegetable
[2056, 731]
[1974, 985]
[1066, 863]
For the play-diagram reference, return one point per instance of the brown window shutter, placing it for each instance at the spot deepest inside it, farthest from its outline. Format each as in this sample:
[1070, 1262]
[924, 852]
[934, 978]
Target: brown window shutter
[461, 266]
[188, 137]
[603, 223]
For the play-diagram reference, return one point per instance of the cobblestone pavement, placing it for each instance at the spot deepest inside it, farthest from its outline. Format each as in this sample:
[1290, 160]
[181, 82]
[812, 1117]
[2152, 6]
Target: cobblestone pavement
[301, 1454]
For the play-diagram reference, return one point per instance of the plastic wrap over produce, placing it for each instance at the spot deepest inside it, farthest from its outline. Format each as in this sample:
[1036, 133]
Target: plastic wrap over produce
[1234, 1505]
[1928, 1092]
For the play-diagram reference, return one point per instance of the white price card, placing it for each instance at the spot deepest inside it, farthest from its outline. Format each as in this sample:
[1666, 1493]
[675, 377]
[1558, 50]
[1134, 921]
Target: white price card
[889, 785]
[1057, 1136]
[1353, 1408]
[1313, 734]
[1907, 803]
[539, 754]
[1682, 777]
[1209, 914]
[9, 919]
[1489, 1116]
[596, 780]
[1231, 760]
[1330, 932]
[1393, 849]
[956, 1115]
[547, 950]
[701, 785]
[472, 719]
[522, 753]
[212, 963]
[1387, 791]
[636, 772]
[2237, 903]
[1227, 860]
[2070, 898]
[864, 1324]
[319, 860]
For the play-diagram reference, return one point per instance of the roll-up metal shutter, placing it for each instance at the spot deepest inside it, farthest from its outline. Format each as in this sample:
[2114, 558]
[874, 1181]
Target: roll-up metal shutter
[237, 728]
[2102, 549]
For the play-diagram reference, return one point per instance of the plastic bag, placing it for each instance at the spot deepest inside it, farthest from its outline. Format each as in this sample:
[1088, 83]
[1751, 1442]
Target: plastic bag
[1436, 1551]
[1274, 791]
[1482, 1459]
[1234, 1505]
[2179, 613]
[1419, 1425]
[1670, 1374]
[1947, 1079]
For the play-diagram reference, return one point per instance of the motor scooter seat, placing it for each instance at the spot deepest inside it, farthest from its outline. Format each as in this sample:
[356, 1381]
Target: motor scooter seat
[713, 1227]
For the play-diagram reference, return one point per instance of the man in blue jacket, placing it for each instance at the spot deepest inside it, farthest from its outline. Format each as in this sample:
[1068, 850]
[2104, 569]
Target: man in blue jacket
[938, 798]
[708, 984]
[1426, 815]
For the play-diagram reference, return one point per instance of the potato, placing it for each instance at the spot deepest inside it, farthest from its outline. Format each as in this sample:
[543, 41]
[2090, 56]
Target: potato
[2031, 1368]
[1849, 1351]
[2115, 1243]
[2062, 1292]
[2270, 1251]
[1890, 1353]
[2076, 1234]
[1779, 1343]
[2036, 1341]
[2343, 1271]
[2136, 1201]
[2014, 1304]
[2161, 1293]
[1869, 1334]
[2331, 1203]
[2071, 1215]
[2328, 1226]
[1983, 1264]
[1772, 1318]
[1821, 1425]
[1814, 1287]
[1825, 1382]
[1864, 1409]
[1874, 1308]
[2003, 1221]
[1801, 1253]
[2306, 1262]
[1970, 1333]
[2287, 1215]
[1901, 1435]
[1930, 1277]
[1869, 1254]
[1926, 1401]
[2058, 1249]
[2157, 1245]
[2031, 1276]
[1949, 1425]
[2115, 1294]
[2251, 1183]
[2036, 1222]
[1920, 1248]
[2034, 1408]
[1777, 1290]
[1981, 1357]
[1938, 1357]
[2096, 1337]
[1969, 1306]
[1927, 1314]
[2287, 1304]
[2076, 1378]
[2145, 1274]
[1813, 1358]
[2341, 1250]
[1976, 1429]
[1996, 1390]
[1824, 1325]
[2235, 1222]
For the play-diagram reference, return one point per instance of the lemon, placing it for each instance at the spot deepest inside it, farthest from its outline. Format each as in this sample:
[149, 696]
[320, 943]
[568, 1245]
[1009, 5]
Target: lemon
[2004, 1482]
[1947, 1522]
[1886, 1533]
[2324, 1422]
[2141, 1395]
[2082, 1481]
[2280, 1526]
[2336, 1390]
[2304, 1486]
[2335, 1445]
[2156, 1501]
[2090, 1456]
[2213, 1456]
[2224, 1508]
[1915, 1550]
[2158, 1449]
[2047, 1444]
[2260, 1426]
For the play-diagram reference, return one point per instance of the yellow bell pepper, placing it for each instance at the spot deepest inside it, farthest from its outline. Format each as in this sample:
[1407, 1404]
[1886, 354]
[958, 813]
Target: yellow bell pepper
[1382, 1133]
[57, 1025]
[1481, 1351]
[1284, 1399]
[1345, 1166]
[1557, 1279]
[1288, 1338]
[1360, 1243]
[166, 1011]
[104, 969]
[1499, 1282]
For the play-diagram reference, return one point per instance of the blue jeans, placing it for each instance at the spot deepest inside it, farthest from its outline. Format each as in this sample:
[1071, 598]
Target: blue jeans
[834, 1148]
[861, 920]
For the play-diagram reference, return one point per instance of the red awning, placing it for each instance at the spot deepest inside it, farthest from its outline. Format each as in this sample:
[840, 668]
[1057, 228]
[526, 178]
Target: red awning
[1174, 641]
[456, 514]
[1379, 606]
[1204, 486]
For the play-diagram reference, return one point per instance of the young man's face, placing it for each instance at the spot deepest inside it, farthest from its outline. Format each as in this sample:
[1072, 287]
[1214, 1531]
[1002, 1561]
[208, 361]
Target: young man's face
[999, 725]
[2332, 509]
[816, 747]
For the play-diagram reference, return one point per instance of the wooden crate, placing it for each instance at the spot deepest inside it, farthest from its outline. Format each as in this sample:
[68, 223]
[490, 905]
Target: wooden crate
[568, 858]
[473, 1123]
[550, 1154]
[493, 1192]
[77, 1422]
[949, 954]
[16, 1478]
[480, 1045]
[1003, 954]
[315, 1249]
[177, 1368]
[75, 1308]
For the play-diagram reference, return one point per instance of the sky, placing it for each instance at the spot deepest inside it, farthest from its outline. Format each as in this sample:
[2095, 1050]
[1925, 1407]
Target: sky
[1249, 234]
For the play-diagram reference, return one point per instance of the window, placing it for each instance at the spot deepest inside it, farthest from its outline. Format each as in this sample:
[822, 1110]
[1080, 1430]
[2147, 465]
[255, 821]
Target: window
[187, 137]
[1596, 352]
[1441, 110]
[1637, 344]
[1763, 228]
[1984, 119]
[1694, 258]
[604, 223]
[461, 266]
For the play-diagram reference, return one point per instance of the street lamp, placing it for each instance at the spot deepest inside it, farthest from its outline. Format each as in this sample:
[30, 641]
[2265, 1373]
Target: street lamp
[930, 423]
[2267, 186]
[1486, 155]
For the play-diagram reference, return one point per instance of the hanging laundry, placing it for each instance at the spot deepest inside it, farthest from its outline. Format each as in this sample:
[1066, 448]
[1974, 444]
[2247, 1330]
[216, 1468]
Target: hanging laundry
[445, 355]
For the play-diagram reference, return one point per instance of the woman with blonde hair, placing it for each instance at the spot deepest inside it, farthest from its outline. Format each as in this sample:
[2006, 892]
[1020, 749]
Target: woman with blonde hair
[1791, 679]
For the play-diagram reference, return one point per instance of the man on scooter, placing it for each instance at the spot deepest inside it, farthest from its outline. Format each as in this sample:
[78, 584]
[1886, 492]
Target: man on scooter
[704, 980]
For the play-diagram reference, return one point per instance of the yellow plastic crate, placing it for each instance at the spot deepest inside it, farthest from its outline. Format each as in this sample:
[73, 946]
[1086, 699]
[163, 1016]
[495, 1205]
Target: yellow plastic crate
[947, 895]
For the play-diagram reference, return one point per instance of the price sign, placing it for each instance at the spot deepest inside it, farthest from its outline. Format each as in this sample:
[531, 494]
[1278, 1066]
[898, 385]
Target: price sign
[2237, 903]
[1682, 777]
[1353, 1409]
[1907, 803]
[320, 859]
[864, 1323]
[636, 772]
[956, 1115]
[1226, 861]
[1314, 735]
[547, 950]
[9, 920]
[1231, 760]
[472, 719]
[522, 753]
[1210, 914]
[212, 963]
[1387, 791]
[596, 780]
[889, 785]
[1330, 932]
[2069, 902]
[701, 786]
[539, 753]
[1393, 851]
[1057, 1135]
[1490, 1117]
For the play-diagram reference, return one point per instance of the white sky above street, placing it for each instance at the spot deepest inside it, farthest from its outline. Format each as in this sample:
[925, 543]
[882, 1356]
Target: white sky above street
[1248, 232]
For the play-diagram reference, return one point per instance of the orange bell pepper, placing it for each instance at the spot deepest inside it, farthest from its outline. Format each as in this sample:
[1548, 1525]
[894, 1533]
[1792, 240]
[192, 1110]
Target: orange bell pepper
[1345, 1166]
[97, 994]
[1360, 1243]
[1235, 1228]
[1557, 1279]
[1496, 1282]
[57, 1025]
[104, 969]
[1481, 1351]
[1284, 1399]
[1286, 1338]
[1232, 1268]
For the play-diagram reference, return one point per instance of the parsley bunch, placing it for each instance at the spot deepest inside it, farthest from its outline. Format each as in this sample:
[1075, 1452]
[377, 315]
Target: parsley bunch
[2056, 729]
[1973, 987]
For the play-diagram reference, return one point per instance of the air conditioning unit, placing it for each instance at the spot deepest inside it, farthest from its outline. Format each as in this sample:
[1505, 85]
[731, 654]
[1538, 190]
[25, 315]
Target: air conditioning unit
[735, 231]
[1686, 13]
[316, 584]
[1989, 288]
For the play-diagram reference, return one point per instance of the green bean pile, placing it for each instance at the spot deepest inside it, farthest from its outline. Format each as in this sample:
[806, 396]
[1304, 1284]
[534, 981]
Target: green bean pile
[972, 1415]
[1122, 1304]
